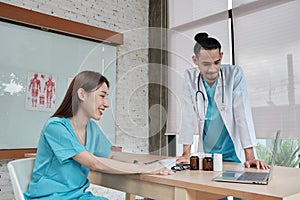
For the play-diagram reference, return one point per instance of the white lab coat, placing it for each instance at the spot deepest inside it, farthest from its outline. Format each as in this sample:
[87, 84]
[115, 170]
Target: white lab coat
[235, 112]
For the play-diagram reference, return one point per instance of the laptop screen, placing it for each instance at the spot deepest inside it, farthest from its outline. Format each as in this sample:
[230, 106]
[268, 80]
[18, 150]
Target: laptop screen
[274, 153]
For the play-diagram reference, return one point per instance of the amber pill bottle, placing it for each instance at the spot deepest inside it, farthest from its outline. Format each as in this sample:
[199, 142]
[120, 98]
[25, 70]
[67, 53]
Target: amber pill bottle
[208, 162]
[194, 162]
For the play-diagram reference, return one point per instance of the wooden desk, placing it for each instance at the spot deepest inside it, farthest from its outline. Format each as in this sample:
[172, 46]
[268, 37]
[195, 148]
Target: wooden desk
[198, 185]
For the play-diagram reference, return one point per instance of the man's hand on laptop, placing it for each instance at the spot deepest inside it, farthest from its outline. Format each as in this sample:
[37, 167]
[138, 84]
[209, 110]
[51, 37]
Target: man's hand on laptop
[256, 163]
[252, 162]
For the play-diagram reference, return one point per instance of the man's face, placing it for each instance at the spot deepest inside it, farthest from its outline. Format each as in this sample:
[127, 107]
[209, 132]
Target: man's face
[209, 63]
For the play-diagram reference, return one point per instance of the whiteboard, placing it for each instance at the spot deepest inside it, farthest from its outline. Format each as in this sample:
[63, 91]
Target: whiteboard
[25, 51]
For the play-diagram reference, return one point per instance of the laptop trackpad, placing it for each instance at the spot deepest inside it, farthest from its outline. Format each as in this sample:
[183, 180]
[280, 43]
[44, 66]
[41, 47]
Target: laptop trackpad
[230, 175]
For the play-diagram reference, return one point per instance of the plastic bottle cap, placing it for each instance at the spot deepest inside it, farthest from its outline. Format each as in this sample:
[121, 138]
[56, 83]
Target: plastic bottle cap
[194, 154]
[208, 155]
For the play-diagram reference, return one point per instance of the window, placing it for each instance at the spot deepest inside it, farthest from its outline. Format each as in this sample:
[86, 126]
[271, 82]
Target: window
[265, 44]
[181, 44]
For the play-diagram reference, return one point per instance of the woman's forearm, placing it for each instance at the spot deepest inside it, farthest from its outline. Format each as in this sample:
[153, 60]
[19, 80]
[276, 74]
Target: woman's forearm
[112, 166]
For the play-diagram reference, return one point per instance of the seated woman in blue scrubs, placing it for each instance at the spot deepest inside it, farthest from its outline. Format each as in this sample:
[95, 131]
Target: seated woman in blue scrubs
[71, 144]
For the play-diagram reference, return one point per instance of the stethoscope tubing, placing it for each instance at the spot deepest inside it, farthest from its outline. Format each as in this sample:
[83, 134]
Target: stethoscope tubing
[199, 91]
[203, 96]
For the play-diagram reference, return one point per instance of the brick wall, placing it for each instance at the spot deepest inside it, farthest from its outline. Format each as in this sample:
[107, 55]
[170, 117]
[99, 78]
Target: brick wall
[6, 191]
[129, 17]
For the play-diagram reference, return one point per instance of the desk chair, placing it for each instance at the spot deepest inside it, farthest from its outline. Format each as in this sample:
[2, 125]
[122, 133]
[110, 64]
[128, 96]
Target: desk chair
[20, 174]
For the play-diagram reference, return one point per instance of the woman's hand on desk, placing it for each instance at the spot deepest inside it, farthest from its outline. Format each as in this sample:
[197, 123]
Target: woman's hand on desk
[163, 171]
[158, 169]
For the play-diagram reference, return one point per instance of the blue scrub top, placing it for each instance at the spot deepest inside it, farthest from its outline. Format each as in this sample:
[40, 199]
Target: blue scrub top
[216, 138]
[56, 175]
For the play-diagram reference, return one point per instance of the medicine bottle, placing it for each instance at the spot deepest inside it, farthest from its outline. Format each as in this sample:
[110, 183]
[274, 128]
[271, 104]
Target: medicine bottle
[218, 162]
[208, 163]
[194, 162]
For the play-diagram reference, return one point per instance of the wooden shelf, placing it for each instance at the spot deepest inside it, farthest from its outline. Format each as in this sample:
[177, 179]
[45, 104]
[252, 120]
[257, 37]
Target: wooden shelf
[51, 23]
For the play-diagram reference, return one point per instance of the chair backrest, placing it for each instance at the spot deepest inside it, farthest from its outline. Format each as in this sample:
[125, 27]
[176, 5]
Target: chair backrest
[20, 174]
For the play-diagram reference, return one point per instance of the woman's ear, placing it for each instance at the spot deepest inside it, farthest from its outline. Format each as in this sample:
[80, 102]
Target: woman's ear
[81, 94]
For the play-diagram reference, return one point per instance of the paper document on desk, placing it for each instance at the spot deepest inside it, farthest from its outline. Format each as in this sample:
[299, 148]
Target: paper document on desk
[168, 162]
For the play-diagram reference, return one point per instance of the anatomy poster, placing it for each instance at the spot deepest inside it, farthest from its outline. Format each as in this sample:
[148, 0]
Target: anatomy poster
[41, 92]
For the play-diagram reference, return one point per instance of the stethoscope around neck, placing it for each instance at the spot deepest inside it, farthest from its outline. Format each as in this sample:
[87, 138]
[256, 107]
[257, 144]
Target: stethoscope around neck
[198, 92]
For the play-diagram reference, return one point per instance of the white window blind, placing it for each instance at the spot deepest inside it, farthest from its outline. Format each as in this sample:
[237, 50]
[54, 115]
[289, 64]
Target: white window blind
[267, 46]
[184, 12]
[181, 44]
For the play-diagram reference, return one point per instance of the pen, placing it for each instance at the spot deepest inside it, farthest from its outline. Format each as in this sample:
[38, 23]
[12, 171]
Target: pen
[150, 162]
[146, 163]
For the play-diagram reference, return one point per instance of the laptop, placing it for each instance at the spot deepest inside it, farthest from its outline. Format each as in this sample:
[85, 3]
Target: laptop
[250, 177]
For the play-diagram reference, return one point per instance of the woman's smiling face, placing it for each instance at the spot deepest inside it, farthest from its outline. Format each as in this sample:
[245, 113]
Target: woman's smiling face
[94, 103]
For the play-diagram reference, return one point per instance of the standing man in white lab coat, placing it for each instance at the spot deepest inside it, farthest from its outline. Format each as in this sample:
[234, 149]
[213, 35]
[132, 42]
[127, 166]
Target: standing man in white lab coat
[217, 96]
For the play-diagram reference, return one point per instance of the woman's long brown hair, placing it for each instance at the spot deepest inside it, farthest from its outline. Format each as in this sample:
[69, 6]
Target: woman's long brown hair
[87, 80]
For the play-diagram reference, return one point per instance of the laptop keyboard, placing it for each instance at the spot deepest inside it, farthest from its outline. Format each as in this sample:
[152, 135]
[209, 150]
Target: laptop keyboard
[255, 176]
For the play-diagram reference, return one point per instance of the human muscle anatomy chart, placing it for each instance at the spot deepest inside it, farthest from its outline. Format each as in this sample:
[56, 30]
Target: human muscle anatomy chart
[41, 92]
